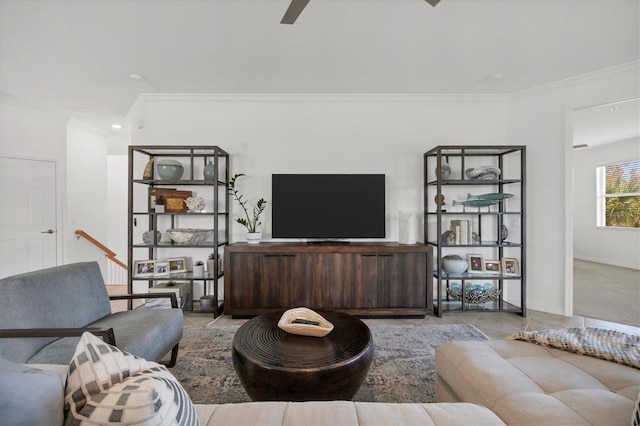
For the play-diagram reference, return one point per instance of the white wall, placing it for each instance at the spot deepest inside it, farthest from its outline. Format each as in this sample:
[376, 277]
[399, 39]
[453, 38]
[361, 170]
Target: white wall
[540, 119]
[80, 153]
[324, 134]
[87, 206]
[118, 178]
[614, 246]
[30, 134]
[286, 134]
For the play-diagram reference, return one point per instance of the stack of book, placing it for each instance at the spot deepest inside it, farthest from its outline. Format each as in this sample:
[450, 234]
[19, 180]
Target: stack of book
[462, 230]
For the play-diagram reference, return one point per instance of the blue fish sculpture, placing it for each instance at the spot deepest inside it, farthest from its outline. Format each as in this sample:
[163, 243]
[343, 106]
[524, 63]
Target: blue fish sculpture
[495, 196]
[476, 203]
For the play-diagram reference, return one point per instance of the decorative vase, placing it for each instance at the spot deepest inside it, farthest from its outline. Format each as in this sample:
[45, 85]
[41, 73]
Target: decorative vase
[454, 264]
[210, 266]
[253, 237]
[209, 171]
[198, 270]
[443, 171]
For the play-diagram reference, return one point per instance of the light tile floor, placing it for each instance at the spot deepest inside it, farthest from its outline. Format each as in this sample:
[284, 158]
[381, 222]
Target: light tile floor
[496, 325]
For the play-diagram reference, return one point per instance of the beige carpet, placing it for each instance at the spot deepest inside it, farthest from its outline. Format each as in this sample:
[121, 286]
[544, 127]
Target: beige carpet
[606, 292]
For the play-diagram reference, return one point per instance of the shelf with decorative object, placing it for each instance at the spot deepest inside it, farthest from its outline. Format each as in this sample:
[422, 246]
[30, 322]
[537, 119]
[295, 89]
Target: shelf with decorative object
[178, 218]
[475, 213]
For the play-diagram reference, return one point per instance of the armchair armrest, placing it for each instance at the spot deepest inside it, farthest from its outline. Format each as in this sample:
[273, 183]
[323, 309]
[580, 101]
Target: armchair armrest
[105, 332]
[172, 296]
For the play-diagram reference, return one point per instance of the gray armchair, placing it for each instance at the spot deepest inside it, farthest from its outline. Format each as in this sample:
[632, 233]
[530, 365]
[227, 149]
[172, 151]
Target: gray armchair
[43, 313]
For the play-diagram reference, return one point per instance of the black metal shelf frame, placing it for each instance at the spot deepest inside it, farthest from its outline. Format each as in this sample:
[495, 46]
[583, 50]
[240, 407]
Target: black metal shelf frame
[503, 154]
[219, 215]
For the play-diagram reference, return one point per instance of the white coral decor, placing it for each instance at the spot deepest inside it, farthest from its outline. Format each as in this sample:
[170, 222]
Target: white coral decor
[195, 203]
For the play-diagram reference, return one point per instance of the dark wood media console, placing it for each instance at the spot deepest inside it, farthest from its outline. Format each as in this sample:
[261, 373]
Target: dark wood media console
[364, 279]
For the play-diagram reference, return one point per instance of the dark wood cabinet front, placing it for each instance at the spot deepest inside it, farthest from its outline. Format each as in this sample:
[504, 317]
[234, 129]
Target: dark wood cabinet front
[362, 279]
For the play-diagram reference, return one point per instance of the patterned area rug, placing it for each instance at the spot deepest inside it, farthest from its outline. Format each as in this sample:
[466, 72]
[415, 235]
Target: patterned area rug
[402, 369]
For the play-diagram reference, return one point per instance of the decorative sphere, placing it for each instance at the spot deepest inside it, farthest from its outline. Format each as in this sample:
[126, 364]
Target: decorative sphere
[454, 264]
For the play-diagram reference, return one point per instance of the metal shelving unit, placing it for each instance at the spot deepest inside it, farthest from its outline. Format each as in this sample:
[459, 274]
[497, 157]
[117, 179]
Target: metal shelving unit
[488, 224]
[141, 212]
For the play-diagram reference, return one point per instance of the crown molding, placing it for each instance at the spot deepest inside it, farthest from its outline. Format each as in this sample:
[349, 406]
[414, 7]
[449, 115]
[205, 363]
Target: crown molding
[145, 99]
[633, 66]
[306, 98]
[36, 113]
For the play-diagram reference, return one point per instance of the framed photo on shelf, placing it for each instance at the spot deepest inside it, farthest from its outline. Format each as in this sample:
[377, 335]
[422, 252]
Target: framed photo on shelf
[492, 266]
[510, 266]
[144, 268]
[158, 193]
[177, 265]
[174, 201]
[162, 268]
[476, 264]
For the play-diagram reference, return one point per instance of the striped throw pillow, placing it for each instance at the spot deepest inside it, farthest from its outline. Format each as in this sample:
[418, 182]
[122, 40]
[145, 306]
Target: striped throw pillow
[107, 386]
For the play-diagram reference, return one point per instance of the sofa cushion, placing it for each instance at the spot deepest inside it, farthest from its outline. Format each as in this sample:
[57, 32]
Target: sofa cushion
[30, 396]
[145, 333]
[66, 296]
[524, 383]
[333, 413]
[108, 385]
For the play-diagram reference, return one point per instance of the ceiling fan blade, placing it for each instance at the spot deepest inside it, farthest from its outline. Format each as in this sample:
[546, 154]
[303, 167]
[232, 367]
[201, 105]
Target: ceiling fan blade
[433, 2]
[295, 9]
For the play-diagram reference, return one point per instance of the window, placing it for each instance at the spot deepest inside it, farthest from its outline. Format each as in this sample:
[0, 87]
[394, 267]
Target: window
[619, 195]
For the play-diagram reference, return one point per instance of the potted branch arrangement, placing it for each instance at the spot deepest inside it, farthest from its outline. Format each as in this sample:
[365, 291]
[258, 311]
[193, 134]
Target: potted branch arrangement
[253, 235]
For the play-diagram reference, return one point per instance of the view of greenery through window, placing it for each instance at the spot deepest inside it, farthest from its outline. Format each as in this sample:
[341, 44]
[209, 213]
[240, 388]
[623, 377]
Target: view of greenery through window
[622, 195]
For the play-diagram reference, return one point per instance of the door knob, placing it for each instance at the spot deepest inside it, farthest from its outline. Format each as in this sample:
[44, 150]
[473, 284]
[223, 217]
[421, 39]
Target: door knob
[49, 231]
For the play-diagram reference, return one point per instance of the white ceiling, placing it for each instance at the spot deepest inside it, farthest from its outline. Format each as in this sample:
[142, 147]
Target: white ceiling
[603, 124]
[59, 55]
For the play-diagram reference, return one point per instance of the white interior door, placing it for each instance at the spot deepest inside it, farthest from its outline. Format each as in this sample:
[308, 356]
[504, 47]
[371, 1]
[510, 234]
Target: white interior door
[28, 234]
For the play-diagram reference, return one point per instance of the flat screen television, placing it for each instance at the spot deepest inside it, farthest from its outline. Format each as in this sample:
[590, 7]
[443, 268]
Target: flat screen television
[328, 206]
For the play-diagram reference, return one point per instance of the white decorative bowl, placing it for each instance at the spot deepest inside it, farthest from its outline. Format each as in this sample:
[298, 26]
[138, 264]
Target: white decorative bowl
[188, 236]
[170, 169]
[321, 329]
[483, 173]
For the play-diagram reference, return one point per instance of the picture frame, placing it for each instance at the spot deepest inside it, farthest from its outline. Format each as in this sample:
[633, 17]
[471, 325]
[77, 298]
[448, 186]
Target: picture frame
[162, 268]
[476, 264]
[174, 201]
[510, 266]
[177, 265]
[492, 267]
[144, 268]
[157, 193]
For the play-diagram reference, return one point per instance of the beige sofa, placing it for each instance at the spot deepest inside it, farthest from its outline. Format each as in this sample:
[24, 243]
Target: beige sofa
[34, 394]
[525, 383]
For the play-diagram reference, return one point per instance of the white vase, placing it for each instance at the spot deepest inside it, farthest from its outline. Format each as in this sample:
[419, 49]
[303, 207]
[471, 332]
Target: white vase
[443, 171]
[253, 237]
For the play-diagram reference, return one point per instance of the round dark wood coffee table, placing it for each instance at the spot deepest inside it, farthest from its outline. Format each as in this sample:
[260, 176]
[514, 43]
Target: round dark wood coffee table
[274, 365]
